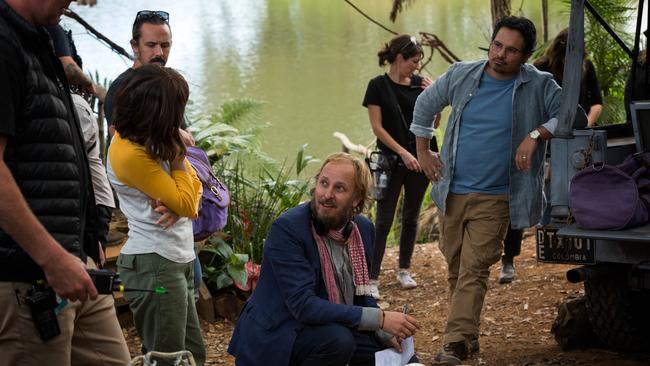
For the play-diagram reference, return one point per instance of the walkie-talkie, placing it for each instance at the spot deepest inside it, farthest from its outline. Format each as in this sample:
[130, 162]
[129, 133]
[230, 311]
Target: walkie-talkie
[106, 281]
[42, 301]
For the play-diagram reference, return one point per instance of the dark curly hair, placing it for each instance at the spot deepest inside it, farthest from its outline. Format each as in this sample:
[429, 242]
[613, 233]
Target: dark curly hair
[405, 44]
[523, 26]
[149, 109]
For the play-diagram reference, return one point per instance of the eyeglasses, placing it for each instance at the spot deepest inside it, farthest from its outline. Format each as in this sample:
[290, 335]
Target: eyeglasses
[148, 14]
[510, 51]
[413, 41]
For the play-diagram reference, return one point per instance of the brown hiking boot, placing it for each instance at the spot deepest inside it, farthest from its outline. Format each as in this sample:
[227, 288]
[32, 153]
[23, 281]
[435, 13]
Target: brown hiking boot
[451, 354]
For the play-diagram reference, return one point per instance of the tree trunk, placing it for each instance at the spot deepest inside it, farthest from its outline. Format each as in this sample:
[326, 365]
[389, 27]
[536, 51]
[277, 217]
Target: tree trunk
[545, 20]
[500, 9]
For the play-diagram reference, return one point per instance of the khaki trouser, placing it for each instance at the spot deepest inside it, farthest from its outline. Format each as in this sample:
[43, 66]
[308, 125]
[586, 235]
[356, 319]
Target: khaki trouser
[472, 233]
[90, 332]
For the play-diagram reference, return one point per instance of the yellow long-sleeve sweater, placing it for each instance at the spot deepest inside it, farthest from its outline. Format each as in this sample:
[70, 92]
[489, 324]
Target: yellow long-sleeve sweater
[138, 179]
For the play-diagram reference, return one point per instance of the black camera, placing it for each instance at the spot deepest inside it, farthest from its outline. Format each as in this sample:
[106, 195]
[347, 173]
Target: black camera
[42, 301]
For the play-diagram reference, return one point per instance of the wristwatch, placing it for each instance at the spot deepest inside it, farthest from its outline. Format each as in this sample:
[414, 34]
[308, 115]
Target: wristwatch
[534, 134]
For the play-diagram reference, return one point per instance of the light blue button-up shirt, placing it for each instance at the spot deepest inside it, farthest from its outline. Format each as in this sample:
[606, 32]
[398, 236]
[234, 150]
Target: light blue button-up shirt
[535, 102]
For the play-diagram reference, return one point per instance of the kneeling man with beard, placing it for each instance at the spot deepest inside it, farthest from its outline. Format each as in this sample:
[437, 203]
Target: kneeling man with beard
[312, 304]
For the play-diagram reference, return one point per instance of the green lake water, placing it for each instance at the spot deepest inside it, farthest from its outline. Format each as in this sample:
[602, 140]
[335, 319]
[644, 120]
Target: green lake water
[309, 61]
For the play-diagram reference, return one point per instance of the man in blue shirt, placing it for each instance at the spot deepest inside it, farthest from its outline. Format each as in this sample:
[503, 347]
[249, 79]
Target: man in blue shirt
[489, 172]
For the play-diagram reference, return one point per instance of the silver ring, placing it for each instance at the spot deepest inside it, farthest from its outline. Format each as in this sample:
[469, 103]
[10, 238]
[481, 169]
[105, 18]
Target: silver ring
[523, 157]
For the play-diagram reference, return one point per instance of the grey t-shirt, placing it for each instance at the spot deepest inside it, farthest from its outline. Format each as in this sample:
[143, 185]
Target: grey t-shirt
[342, 268]
[343, 273]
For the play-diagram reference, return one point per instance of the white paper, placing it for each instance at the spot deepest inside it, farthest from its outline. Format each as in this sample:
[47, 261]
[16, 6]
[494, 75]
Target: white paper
[390, 357]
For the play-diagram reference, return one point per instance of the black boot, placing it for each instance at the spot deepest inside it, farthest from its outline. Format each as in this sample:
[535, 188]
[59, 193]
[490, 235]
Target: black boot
[507, 274]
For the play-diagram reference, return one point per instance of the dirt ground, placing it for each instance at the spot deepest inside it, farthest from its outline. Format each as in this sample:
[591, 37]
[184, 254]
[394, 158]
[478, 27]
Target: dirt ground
[515, 325]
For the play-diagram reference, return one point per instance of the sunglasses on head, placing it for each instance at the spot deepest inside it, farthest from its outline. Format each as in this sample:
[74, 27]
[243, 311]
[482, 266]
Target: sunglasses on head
[412, 41]
[148, 14]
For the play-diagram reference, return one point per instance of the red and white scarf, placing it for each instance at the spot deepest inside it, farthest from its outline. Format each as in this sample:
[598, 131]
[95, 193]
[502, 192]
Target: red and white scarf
[357, 257]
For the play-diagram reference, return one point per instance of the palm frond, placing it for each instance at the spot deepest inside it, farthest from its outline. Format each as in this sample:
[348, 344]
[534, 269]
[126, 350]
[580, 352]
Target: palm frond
[235, 111]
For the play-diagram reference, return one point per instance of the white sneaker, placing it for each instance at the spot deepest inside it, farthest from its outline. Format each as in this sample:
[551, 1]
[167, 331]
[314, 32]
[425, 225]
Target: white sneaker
[374, 289]
[405, 279]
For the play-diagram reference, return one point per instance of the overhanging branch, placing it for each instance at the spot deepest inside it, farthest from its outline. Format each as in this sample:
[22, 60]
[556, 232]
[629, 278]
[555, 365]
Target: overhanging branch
[71, 14]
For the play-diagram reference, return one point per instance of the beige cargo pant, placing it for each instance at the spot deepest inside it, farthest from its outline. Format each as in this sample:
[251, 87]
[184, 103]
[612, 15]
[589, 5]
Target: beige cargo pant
[472, 232]
[90, 333]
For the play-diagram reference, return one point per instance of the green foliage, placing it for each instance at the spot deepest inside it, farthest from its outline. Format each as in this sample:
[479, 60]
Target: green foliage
[610, 61]
[256, 202]
[260, 188]
[225, 267]
[231, 131]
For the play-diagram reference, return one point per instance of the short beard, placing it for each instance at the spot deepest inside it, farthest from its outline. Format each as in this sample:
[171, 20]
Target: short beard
[331, 223]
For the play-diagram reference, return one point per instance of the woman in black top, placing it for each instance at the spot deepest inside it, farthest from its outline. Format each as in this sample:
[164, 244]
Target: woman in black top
[390, 99]
[552, 60]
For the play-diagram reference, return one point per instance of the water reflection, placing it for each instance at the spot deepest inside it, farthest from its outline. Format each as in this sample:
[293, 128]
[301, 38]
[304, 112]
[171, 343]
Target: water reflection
[309, 60]
[231, 32]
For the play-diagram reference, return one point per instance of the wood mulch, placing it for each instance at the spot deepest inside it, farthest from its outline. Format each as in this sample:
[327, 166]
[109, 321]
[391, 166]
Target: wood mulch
[515, 325]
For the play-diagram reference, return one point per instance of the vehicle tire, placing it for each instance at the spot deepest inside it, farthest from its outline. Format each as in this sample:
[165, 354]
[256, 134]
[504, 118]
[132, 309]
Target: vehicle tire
[619, 316]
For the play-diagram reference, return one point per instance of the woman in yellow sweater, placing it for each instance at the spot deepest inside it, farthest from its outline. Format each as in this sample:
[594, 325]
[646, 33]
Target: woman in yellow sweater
[148, 169]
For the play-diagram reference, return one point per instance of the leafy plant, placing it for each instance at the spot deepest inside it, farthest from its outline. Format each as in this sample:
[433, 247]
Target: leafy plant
[257, 202]
[261, 189]
[229, 131]
[610, 61]
[225, 267]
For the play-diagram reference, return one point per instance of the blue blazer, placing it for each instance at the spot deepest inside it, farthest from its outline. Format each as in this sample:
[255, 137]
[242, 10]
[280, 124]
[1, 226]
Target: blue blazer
[291, 293]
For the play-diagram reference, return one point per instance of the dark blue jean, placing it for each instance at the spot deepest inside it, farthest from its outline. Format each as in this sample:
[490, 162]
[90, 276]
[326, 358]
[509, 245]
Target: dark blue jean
[334, 345]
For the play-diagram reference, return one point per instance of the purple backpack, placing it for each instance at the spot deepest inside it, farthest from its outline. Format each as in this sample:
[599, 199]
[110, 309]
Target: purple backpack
[612, 197]
[213, 209]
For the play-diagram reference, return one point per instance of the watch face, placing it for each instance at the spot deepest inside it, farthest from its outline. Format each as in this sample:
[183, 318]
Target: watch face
[534, 134]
